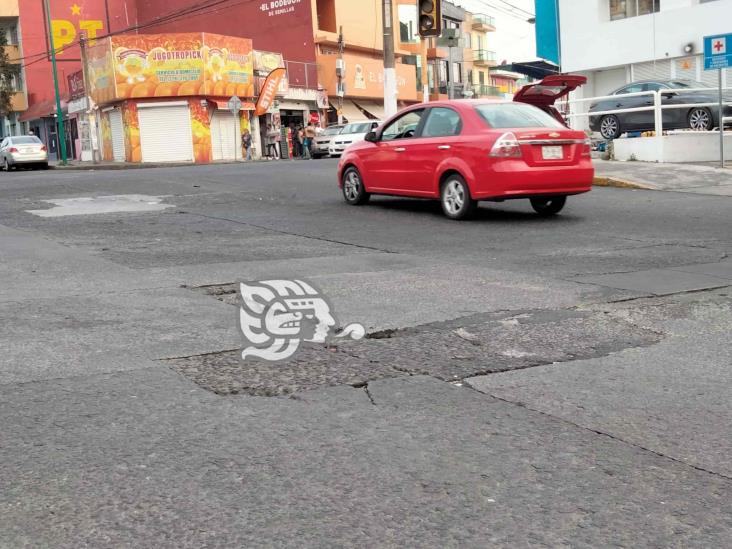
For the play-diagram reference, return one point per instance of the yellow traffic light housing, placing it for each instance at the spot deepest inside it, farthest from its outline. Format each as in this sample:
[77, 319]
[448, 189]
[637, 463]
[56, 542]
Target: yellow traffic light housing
[430, 17]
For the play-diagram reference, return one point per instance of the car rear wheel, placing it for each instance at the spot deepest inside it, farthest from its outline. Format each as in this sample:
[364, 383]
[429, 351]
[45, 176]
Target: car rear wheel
[610, 126]
[455, 198]
[353, 190]
[700, 119]
[548, 206]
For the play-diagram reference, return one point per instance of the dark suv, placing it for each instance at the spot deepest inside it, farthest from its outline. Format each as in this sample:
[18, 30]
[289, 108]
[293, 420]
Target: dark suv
[611, 126]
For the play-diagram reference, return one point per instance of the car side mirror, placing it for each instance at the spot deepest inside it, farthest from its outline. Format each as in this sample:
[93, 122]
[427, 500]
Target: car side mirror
[668, 94]
[371, 137]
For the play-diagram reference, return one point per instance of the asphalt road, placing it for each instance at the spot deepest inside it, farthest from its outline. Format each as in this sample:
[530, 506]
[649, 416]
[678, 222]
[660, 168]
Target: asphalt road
[526, 381]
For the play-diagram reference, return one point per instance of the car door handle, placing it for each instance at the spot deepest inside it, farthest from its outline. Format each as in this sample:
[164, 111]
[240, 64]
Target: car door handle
[444, 147]
[619, 105]
[400, 149]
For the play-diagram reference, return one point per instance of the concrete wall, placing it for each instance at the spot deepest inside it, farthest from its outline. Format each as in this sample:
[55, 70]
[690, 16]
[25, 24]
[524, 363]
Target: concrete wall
[675, 147]
[589, 40]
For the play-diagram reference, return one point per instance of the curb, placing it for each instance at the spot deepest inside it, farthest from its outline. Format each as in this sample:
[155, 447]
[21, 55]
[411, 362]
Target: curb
[620, 184]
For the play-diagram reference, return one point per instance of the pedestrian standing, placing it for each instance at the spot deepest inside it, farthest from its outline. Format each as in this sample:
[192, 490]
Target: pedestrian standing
[308, 140]
[300, 142]
[278, 143]
[246, 141]
[271, 143]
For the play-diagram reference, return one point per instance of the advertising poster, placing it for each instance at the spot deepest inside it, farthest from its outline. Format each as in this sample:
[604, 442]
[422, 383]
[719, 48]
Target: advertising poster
[171, 65]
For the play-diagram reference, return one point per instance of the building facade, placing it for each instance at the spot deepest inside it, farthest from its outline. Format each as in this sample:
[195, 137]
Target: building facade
[614, 42]
[10, 27]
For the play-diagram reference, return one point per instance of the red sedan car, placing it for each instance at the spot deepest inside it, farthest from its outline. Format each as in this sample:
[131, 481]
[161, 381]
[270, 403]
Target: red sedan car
[465, 151]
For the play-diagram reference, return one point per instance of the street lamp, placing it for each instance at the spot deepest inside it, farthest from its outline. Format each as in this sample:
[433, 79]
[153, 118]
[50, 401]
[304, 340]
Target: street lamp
[59, 112]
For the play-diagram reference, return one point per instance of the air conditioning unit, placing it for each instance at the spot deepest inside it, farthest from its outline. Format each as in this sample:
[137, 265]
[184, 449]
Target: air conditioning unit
[340, 68]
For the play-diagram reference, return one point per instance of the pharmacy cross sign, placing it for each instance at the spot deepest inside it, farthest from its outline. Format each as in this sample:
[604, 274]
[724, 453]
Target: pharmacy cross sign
[716, 53]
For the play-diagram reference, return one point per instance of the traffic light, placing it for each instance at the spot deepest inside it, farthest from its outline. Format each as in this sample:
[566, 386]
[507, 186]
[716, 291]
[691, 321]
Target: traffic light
[430, 17]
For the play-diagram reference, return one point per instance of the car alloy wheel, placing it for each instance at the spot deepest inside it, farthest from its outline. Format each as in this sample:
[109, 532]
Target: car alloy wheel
[548, 206]
[455, 198]
[353, 190]
[700, 119]
[609, 127]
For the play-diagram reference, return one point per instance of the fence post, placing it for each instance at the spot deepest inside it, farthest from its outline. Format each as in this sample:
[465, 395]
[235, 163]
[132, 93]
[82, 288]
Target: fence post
[658, 122]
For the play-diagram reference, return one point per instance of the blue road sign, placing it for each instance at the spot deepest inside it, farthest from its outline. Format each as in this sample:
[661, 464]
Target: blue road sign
[717, 52]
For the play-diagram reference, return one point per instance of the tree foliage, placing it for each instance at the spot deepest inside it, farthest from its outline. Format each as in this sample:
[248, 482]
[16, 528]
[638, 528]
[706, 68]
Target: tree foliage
[9, 73]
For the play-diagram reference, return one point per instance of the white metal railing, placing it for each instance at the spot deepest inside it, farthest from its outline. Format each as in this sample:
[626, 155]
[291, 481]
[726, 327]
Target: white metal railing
[655, 104]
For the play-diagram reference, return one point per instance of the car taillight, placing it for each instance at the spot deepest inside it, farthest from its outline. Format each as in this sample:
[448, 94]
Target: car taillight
[587, 147]
[12, 150]
[506, 146]
[43, 148]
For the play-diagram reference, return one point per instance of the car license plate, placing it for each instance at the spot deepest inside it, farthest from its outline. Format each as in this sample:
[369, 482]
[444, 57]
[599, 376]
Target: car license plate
[553, 152]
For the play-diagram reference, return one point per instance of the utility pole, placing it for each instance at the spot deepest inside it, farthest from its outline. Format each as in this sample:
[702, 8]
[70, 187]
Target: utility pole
[59, 112]
[340, 89]
[87, 97]
[390, 88]
[424, 74]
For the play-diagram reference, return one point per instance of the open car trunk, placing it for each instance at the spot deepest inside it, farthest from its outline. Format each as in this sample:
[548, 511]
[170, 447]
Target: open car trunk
[545, 93]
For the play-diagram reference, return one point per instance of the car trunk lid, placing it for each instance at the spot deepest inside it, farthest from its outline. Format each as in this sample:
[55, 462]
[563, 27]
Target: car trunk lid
[550, 146]
[545, 93]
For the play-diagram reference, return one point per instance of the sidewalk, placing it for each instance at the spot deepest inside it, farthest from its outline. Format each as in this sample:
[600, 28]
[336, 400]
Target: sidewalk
[687, 178]
[105, 165]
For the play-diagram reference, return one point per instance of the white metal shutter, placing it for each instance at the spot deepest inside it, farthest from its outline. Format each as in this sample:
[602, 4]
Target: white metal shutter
[118, 135]
[660, 70]
[225, 137]
[689, 73]
[165, 133]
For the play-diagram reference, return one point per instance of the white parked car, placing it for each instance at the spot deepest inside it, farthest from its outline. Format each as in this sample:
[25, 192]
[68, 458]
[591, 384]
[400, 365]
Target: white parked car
[23, 150]
[351, 133]
[321, 143]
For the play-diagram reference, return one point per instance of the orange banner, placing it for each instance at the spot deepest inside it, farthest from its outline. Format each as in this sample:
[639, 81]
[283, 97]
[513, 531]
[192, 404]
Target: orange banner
[269, 91]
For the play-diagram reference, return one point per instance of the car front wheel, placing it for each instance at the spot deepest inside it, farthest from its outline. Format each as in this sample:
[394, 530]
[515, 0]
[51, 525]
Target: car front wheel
[353, 190]
[700, 119]
[455, 198]
[548, 206]
[610, 126]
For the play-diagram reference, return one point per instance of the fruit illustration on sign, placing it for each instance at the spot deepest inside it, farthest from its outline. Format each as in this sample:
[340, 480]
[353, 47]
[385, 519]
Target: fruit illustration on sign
[131, 64]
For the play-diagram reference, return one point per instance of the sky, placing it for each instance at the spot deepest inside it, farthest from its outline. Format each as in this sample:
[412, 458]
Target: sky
[514, 38]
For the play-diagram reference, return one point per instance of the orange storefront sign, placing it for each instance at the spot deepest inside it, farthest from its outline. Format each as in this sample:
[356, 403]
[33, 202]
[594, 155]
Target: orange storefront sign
[269, 91]
[173, 64]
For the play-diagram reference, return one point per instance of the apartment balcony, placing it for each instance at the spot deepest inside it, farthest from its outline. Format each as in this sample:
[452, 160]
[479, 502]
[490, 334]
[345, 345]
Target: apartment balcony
[13, 53]
[485, 58]
[437, 53]
[482, 90]
[18, 102]
[484, 23]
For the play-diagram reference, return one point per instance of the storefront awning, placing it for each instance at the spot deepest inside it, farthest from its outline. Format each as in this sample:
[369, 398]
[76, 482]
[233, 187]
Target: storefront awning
[351, 113]
[224, 106]
[376, 110]
[42, 109]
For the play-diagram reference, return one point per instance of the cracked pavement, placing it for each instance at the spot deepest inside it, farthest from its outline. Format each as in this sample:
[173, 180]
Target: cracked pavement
[526, 382]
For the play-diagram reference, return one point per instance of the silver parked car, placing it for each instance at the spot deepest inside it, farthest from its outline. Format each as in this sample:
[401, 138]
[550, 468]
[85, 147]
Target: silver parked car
[321, 143]
[23, 150]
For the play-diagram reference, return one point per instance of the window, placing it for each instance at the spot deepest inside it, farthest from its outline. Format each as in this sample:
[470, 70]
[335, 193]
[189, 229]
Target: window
[468, 40]
[358, 127]
[457, 72]
[29, 140]
[654, 86]
[442, 122]
[621, 9]
[407, 24]
[403, 127]
[516, 115]
[633, 88]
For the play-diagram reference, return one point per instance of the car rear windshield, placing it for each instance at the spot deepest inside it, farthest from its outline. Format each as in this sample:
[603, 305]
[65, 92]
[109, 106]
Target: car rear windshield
[332, 131]
[25, 140]
[516, 115]
[360, 127]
